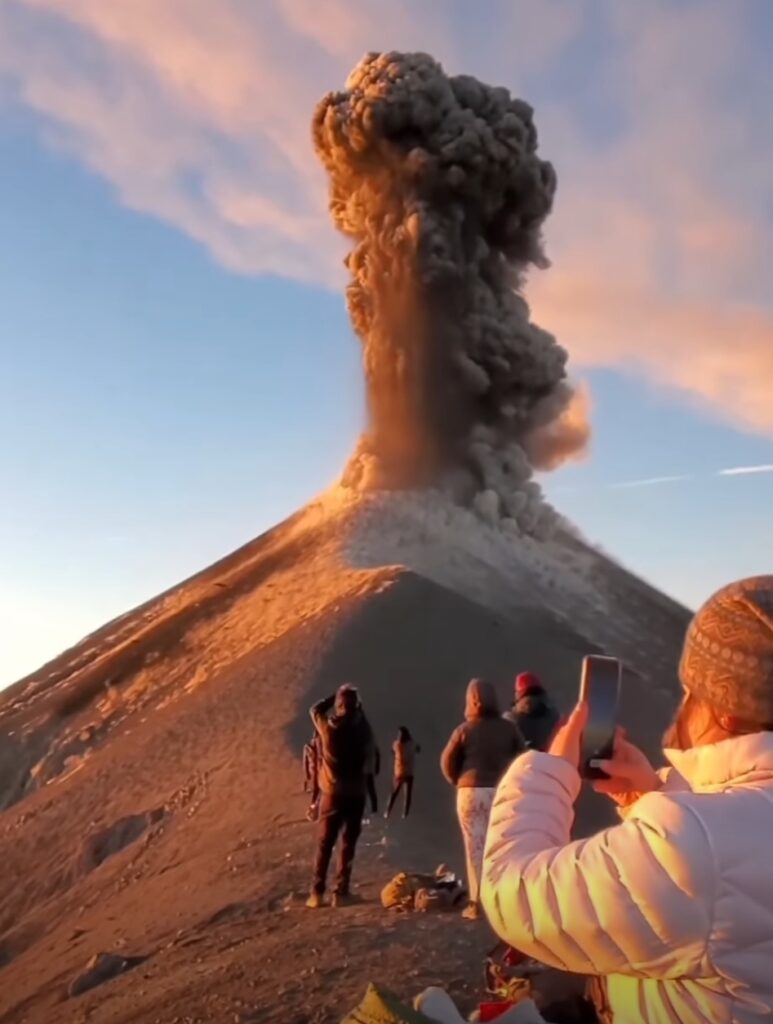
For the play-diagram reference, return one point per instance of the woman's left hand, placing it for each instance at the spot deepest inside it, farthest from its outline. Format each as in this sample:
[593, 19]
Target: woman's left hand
[567, 741]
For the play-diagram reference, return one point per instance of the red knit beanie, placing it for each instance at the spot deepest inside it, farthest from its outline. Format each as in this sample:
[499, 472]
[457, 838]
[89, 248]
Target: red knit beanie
[525, 683]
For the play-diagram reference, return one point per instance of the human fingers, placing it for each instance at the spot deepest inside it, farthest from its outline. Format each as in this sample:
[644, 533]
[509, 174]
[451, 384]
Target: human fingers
[566, 742]
[577, 720]
[580, 713]
[612, 767]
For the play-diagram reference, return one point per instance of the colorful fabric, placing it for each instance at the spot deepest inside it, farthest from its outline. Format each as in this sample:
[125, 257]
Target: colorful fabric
[473, 807]
[436, 1004]
[727, 658]
[673, 908]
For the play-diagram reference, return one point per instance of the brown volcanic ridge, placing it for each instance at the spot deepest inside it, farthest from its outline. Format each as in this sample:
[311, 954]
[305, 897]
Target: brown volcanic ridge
[151, 782]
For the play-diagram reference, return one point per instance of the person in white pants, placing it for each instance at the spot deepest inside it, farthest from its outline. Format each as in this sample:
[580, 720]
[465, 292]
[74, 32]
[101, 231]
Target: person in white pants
[474, 760]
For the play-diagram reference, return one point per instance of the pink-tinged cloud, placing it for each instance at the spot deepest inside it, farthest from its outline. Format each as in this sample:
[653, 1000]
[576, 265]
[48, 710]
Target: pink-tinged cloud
[190, 109]
[722, 354]
[567, 438]
[197, 112]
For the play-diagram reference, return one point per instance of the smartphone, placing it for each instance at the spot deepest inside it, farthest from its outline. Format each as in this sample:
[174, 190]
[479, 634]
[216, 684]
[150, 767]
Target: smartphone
[600, 690]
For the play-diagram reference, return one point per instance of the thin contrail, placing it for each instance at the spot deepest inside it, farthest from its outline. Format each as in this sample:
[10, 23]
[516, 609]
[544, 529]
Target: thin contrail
[746, 470]
[656, 481]
[649, 482]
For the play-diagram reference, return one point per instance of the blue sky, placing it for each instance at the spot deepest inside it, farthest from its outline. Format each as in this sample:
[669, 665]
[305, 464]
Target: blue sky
[178, 368]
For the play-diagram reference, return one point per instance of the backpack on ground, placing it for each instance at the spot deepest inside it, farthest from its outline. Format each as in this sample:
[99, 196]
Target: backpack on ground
[423, 892]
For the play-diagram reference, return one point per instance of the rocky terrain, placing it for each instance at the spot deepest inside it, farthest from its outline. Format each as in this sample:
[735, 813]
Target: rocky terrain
[150, 776]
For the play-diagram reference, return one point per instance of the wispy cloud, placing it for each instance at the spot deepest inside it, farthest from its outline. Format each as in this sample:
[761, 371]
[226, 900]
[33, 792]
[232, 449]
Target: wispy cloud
[197, 112]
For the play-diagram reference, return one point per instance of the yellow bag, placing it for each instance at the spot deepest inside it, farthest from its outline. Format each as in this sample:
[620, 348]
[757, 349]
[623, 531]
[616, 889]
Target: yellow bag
[379, 1006]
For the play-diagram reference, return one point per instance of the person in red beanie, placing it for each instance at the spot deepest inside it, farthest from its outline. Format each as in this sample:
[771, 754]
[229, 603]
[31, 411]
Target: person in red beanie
[533, 711]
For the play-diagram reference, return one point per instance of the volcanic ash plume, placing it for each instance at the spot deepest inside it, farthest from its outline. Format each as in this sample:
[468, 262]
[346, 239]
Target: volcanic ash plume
[438, 182]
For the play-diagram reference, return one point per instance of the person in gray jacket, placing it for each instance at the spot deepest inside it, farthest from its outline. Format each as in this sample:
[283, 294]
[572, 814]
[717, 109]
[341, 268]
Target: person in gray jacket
[476, 757]
[533, 712]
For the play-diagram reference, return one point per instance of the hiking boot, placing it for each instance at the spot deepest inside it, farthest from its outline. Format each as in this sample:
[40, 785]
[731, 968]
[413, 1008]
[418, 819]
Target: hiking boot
[342, 899]
[314, 902]
[471, 912]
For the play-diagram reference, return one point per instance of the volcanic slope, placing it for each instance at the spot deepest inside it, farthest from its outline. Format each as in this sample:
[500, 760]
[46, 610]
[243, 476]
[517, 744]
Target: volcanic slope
[151, 777]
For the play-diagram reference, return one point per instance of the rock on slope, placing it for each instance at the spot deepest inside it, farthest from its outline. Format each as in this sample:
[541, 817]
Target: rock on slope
[150, 775]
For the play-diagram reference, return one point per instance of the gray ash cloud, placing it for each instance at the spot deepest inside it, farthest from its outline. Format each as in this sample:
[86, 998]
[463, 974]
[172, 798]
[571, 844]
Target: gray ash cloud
[437, 182]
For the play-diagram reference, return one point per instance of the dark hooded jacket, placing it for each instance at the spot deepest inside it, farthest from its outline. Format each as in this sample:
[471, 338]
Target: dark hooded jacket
[482, 748]
[346, 748]
[536, 716]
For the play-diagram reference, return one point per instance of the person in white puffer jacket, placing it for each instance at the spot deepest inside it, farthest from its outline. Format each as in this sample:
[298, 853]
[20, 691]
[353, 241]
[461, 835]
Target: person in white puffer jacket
[670, 911]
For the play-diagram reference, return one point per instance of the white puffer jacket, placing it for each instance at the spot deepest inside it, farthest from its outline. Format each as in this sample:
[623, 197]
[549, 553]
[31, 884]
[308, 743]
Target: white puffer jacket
[673, 907]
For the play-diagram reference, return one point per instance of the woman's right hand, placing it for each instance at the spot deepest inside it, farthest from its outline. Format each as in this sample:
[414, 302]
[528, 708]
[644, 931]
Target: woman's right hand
[630, 773]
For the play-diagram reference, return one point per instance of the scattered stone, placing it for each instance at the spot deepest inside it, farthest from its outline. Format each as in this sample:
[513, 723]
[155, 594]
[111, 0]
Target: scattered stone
[106, 842]
[101, 967]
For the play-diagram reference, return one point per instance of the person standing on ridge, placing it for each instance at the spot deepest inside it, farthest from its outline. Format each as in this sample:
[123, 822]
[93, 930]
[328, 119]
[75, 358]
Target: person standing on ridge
[345, 752]
[476, 757]
[405, 751]
[533, 711]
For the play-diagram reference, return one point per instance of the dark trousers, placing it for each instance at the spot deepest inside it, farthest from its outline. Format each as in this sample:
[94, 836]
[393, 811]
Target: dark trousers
[370, 781]
[337, 816]
[405, 783]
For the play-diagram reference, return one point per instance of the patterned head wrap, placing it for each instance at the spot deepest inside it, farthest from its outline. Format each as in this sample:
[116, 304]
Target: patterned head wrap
[727, 659]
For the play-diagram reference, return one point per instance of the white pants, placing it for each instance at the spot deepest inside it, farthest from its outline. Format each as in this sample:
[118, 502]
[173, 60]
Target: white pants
[473, 808]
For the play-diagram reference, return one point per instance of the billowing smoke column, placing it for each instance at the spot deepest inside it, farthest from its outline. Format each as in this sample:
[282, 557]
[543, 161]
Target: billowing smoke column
[438, 182]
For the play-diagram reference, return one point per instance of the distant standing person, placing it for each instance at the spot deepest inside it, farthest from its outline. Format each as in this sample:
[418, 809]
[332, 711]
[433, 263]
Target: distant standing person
[533, 711]
[405, 750]
[476, 757]
[345, 752]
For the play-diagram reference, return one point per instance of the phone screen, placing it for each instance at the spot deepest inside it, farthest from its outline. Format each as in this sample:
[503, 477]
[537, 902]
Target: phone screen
[600, 689]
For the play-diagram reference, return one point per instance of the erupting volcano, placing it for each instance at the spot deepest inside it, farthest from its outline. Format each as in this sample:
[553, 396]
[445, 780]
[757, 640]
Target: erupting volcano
[150, 776]
[437, 181]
